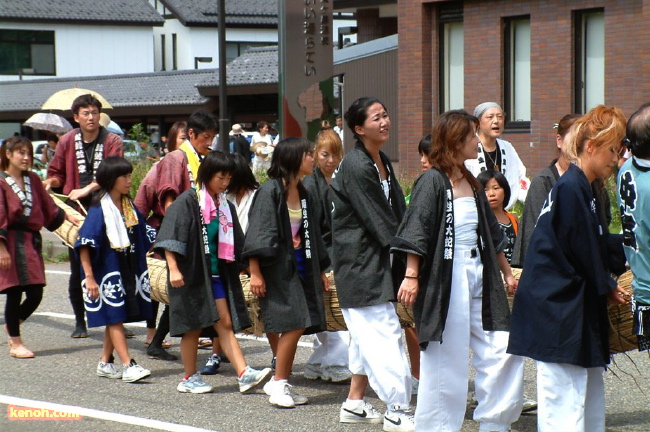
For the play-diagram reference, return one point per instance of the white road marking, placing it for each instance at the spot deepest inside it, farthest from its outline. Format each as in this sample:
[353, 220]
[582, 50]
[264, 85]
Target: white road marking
[144, 325]
[103, 415]
[59, 272]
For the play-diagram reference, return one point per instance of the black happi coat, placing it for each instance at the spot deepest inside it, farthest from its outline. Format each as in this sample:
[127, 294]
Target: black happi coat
[423, 232]
[290, 302]
[192, 306]
[318, 187]
[363, 224]
[560, 310]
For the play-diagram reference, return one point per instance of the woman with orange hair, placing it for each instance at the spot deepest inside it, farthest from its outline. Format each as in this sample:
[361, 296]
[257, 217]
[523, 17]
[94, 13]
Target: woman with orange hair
[559, 316]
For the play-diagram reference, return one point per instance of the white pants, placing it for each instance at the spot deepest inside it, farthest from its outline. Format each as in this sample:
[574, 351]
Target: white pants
[330, 349]
[570, 398]
[444, 367]
[376, 350]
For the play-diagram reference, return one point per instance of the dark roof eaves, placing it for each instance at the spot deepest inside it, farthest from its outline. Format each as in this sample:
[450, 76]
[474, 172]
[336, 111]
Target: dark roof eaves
[142, 23]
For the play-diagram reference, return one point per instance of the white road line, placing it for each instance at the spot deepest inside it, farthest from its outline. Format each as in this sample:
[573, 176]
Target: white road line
[59, 272]
[103, 415]
[144, 325]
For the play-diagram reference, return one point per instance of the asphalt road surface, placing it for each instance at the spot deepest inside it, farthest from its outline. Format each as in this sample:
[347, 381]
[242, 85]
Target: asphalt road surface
[62, 377]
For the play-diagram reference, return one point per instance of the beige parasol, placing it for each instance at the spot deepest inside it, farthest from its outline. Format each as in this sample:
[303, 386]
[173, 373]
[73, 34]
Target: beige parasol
[62, 100]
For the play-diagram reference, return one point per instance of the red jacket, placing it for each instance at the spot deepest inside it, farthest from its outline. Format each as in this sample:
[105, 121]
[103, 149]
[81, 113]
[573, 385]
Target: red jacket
[63, 166]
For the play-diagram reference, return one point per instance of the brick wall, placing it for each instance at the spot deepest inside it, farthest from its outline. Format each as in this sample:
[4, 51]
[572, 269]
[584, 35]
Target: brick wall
[627, 65]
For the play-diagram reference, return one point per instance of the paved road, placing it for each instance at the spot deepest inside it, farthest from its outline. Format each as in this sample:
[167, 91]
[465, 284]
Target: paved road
[64, 373]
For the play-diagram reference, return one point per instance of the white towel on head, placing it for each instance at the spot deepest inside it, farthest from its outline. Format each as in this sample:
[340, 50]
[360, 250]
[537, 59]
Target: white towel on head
[115, 226]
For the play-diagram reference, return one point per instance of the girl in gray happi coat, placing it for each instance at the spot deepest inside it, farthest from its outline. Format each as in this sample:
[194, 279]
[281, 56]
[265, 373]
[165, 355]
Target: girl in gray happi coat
[453, 247]
[368, 205]
[287, 261]
[201, 239]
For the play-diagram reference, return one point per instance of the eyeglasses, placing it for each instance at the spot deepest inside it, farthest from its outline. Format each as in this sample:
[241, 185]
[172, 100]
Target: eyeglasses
[88, 113]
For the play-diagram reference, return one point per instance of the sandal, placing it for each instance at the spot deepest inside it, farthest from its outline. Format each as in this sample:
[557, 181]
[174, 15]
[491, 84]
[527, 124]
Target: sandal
[165, 344]
[18, 353]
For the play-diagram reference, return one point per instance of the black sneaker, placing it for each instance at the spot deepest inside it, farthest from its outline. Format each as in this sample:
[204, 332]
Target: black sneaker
[273, 364]
[80, 331]
[211, 366]
[160, 353]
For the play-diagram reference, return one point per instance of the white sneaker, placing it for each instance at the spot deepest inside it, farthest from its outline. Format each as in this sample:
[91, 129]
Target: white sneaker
[108, 370]
[337, 374]
[313, 372]
[134, 372]
[359, 412]
[281, 395]
[399, 421]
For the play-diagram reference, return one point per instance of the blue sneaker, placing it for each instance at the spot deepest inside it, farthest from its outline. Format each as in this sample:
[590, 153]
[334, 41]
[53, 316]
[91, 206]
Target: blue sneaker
[194, 384]
[251, 378]
[211, 366]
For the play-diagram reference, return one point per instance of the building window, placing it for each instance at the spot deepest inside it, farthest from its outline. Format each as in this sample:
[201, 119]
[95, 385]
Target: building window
[162, 53]
[235, 49]
[31, 50]
[451, 57]
[517, 72]
[590, 59]
[174, 52]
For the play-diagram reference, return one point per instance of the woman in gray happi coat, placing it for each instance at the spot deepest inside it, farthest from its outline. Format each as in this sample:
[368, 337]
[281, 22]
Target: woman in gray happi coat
[368, 205]
[453, 247]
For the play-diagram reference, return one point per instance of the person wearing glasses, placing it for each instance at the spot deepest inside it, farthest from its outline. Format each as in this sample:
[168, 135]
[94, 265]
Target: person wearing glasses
[73, 168]
[497, 154]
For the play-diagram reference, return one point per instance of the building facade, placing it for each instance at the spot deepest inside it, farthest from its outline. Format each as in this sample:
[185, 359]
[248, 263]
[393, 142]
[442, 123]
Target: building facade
[539, 60]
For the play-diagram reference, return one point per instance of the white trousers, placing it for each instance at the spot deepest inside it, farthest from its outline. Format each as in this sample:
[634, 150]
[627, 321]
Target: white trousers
[570, 398]
[330, 349]
[444, 367]
[376, 350]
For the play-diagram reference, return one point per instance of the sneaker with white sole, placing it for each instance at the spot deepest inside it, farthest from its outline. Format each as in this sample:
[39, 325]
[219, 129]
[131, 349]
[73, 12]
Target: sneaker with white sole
[211, 366]
[194, 384]
[134, 372]
[283, 395]
[400, 420]
[359, 412]
[252, 378]
[108, 370]
[312, 371]
[336, 374]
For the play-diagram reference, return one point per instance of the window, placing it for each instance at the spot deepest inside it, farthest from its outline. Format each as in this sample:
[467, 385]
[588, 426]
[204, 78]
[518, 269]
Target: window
[27, 49]
[235, 49]
[590, 59]
[174, 52]
[162, 51]
[452, 58]
[517, 73]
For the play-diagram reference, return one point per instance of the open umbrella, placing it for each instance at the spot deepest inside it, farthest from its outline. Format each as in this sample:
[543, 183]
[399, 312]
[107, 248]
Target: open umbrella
[49, 122]
[62, 100]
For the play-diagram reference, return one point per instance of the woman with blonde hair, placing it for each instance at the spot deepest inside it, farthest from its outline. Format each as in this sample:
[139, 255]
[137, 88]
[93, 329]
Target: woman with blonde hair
[329, 361]
[559, 316]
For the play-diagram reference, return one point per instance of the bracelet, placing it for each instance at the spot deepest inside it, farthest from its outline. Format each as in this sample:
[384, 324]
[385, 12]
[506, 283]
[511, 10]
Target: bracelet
[410, 277]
